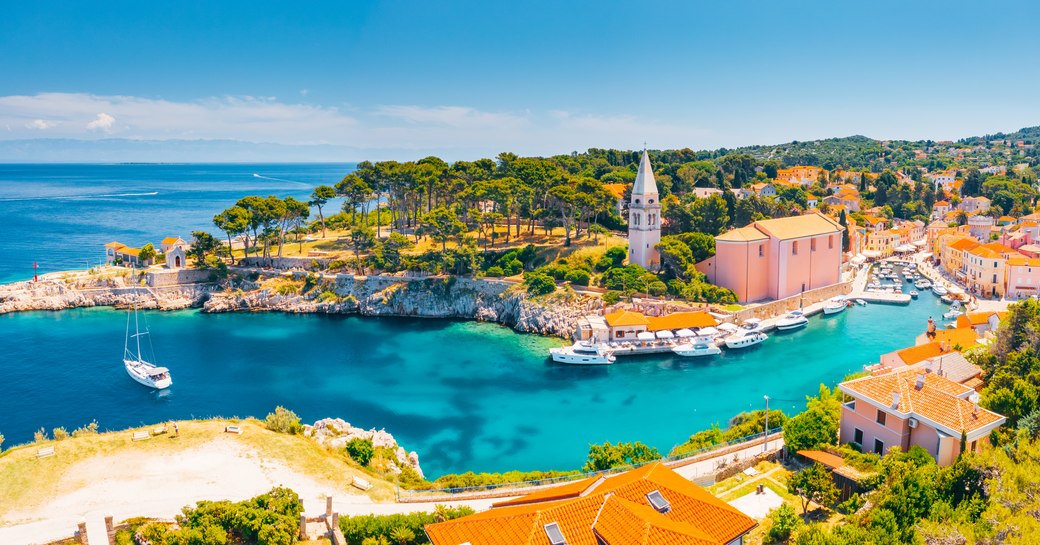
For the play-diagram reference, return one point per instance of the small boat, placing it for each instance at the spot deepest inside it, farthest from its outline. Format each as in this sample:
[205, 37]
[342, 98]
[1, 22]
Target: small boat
[952, 314]
[861, 302]
[946, 299]
[143, 372]
[923, 284]
[745, 338]
[793, 320]
[939, 290]
[700, 346]
[914, 294]
[582, 353]
[835, 305]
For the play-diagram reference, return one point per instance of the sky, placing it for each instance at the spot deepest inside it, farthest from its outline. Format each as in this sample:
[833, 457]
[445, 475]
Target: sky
[406, 79]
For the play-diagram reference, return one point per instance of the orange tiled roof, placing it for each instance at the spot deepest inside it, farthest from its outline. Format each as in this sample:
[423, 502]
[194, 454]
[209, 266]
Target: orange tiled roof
[742, 234]
[1024, 261]
[920, 352]
[115, 245]
[171, 240]
[964, 337]
[824, 458]
[965, 244]
[696, 517]
[625, 318]
[564, 491]
[126, 250]
[806, 225]
[940, 400]
[942, 203]
[617, 190]
[976, 318]
[679, 320]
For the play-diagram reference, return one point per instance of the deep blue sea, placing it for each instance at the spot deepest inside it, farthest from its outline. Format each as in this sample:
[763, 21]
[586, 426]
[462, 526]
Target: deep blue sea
[465, 395]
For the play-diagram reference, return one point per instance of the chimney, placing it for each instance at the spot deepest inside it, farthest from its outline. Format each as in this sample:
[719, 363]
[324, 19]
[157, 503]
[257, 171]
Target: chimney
[895, 400]
[920, 381]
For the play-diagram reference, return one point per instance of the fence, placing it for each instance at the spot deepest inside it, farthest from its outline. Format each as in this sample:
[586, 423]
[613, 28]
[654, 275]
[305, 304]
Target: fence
[526, 487]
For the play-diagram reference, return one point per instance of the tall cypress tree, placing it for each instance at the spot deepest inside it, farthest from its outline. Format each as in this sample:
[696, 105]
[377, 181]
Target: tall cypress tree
[846, 241]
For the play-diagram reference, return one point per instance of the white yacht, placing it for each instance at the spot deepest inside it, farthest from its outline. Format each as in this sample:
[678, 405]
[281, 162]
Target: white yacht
[146, 373]
[752, 324]
[835, 305]
[923, 284]
[698, 346]
[939, 290]
[794, 320]
[745, 338]
[582, 353]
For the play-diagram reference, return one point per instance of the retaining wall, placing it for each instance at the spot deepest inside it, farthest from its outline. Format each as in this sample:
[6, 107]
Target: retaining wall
[782, 306]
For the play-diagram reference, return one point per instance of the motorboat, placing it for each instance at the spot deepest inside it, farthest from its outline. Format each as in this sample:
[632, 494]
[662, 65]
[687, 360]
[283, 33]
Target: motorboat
[752, 324]
[835, 305]
[939, 290]
[142, 371]
[582, 353]
[953, 313]
[861, 302]
[923, 284]
[699, 346]
[745, 338]
[946, 299]
[793, 320]
[914, 294]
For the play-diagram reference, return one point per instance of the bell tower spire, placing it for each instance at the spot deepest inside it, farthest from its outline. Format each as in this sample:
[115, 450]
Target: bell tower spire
[644, 217]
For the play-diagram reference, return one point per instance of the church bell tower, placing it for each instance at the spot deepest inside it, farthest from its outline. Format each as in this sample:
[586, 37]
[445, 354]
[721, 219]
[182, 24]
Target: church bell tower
[644, 218]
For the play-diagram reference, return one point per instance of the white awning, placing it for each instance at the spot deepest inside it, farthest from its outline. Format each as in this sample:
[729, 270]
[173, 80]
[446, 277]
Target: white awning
[685, 333]
[665, 334]
[726, 326]
[645, 336]
[708, 331]
[858, 258]
[920, 243]
[906, 248]
[871, 253]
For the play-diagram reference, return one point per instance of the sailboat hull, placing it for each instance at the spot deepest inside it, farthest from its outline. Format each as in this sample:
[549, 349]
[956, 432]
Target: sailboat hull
[139, 372]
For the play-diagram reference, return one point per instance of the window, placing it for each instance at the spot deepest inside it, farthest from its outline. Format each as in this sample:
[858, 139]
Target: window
[761, 250]
[879, 447]
[857, 436]
[812, 245]
[881, 417]
[794, 248]
[830, 242]
[619, 334]
[974, 444]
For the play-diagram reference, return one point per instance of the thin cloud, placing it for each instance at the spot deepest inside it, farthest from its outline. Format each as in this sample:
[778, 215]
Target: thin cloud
[39, 124]
[103, 122]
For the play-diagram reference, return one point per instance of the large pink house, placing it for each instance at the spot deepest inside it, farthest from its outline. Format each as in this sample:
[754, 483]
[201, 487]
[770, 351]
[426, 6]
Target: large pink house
[777, 258]
[915, 407]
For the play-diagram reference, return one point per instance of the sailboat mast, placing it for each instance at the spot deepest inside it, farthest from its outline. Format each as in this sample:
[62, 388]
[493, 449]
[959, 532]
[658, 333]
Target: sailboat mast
[137, 326]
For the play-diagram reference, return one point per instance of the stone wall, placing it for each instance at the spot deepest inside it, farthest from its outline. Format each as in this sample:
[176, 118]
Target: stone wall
[782, 306]
[173, 277]
[282, 263]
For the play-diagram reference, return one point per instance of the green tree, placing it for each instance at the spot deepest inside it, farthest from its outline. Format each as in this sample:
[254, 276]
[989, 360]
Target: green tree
[538, 283]
[202, 244]
[362, 239]
[147, 253]
[814, 483]
[607, 456]
[784, 521]
[710, 215]
[443, 224]
[845, 237]
[319, 198]
[817, 426]
[234, 221]
[361, 450]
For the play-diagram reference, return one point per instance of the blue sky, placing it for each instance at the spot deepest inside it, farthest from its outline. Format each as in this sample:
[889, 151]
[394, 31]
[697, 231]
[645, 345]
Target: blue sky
[465, 79]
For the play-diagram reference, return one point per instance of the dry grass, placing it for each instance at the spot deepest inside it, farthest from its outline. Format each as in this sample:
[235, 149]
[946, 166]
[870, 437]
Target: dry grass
[27, 482]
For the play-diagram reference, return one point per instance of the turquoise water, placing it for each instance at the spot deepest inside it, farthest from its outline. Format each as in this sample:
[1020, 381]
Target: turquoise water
[61, 215]
[465, 395]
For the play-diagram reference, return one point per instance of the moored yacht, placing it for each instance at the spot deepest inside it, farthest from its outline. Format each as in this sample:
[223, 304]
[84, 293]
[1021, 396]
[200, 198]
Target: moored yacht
[939, 290]
[137, 367]
[582, 353]
[745, 338]
[698, 346]
[835, 305]
[752, 324]
[793, 320]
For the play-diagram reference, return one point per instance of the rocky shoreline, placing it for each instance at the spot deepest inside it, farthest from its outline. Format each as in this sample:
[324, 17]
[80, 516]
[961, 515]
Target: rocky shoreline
[336, 433]
[488, 300]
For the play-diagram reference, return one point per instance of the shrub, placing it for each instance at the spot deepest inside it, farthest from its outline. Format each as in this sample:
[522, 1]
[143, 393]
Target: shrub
[402, 535]
[89, 429]
[514, 267]
[59, 433]
[607, 456]
[495, 271]
[578, 276]
[283, 420]
[785, 522]
[379, 529]
[539, 284]
[328, 296]
[40, 435]
[286, 289]
[360, 450]
[612, 297]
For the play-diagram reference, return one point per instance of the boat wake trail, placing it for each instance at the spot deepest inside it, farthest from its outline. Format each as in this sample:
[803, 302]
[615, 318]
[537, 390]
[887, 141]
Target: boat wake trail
[302, 184]
[79, 197]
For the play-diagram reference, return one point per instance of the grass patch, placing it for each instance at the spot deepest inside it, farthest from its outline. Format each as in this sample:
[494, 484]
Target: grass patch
[27, 482]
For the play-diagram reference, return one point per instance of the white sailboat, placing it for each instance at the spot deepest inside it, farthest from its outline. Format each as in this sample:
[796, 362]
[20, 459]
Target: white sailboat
[140, 370]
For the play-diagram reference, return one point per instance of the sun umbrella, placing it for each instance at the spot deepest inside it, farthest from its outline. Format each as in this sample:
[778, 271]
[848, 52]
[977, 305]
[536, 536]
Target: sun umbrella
[665, 334]
[685, 333]
[645, 336]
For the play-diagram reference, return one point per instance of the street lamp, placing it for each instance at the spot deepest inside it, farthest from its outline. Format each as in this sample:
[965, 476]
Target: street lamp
[765, 445]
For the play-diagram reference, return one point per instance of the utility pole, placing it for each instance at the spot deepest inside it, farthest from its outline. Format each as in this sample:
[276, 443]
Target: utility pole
[765, 445]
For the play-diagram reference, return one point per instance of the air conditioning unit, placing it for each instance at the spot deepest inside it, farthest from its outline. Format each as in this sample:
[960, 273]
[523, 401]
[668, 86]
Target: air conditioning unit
[912, 423]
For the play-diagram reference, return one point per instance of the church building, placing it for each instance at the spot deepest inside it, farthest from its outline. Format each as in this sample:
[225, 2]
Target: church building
[644, 218]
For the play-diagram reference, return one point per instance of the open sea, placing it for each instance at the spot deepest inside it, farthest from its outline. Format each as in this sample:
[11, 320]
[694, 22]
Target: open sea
[465, 395]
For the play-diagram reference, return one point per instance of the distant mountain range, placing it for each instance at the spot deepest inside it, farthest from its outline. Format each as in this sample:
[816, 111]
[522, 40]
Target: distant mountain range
[850, 152]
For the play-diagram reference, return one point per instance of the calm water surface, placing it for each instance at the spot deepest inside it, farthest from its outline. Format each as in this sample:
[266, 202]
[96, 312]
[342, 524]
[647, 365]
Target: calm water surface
[466, 396]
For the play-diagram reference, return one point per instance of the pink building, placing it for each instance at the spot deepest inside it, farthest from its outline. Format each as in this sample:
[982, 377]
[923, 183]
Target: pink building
[777, 258]
[1022, 277]
[915, 407]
